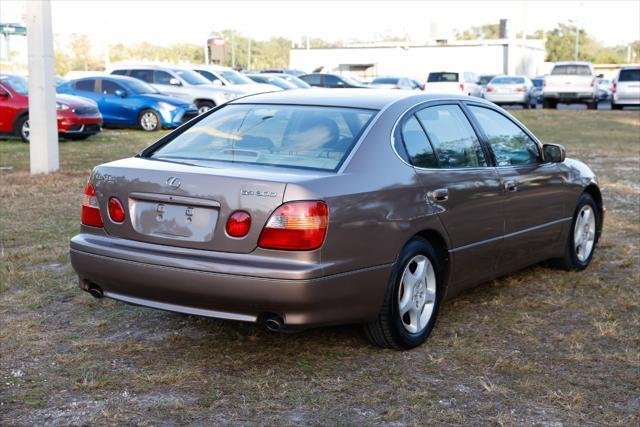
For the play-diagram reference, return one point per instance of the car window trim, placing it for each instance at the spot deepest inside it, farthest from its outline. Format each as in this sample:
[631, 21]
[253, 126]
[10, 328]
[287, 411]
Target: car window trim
[434, 103]
[515, 122]
[6, 90]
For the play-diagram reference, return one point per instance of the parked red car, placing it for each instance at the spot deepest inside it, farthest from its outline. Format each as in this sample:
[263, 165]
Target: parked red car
[78, 118]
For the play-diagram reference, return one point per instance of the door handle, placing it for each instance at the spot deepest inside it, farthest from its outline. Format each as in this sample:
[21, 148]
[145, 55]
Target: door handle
[511, 186]
[439, 195]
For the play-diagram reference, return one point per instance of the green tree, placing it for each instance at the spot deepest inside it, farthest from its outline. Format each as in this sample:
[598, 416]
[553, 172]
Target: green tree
[486, 31]
[81, 49]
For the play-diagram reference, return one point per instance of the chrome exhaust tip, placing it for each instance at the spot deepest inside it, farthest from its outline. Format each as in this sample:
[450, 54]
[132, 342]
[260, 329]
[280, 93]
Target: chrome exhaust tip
[274, 323]
[95, 291]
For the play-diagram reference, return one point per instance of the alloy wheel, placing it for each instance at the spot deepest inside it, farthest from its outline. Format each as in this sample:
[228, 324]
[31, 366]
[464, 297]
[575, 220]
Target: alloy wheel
[584, 233]
[417, 294]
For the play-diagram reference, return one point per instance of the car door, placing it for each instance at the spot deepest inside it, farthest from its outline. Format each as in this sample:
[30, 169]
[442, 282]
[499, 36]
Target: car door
[534, 209]
[87, 89]
[115, 103]
[8, 110]
[461, 185]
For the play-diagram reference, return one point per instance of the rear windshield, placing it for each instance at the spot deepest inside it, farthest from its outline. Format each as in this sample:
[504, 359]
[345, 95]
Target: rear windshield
[483, 80]
[632, 75]
[442, 77]
[571, 70]
[385, 81]
[507, 81]
[278, 135]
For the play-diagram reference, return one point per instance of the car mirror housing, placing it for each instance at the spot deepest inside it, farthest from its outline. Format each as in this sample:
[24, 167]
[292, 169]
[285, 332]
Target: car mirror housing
[120, 93]
[174, 82]
[600, 76]
[553, 153]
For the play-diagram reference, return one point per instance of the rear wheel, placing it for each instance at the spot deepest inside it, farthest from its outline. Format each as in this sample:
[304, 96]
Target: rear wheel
[593, 105]
[526, 105]
[583, 236]
[550, 103]
[149, 120]
[24, 131]
[615, 106]
[412, 299]
[204, 106]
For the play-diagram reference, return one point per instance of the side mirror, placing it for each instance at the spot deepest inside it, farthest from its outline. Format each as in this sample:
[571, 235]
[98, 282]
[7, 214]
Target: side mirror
[3, 93]
[175, 82]
[553, 153]
[600, 76]
[217, 83]
[120, 93]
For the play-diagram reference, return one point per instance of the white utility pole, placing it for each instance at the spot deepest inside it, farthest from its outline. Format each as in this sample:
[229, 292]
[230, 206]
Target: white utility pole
[43, 136]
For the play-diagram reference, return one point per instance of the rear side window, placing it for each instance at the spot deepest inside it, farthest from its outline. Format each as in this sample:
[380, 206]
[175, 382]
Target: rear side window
[119, 72]
[278, 135]
[144, 75]
[631, 75]
[452, 137]
[417, 145]
[332, 81]
[86, 85]
[571, 70]
[510, 144]
[442, 77]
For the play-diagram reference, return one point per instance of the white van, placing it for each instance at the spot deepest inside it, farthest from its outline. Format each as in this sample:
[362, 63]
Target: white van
[454, 83]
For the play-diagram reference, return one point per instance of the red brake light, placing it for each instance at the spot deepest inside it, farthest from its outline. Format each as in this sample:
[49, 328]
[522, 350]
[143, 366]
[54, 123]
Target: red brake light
[593, 82]
[520, 89]
[90, 209]
[424, 86]
[613, 87]
[238, 224]
[296, 226]
[116, 211]
[396, 87]
[489, 89]
[461, 87]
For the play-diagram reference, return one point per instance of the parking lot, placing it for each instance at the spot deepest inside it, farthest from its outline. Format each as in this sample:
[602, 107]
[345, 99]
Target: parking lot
[540, 347]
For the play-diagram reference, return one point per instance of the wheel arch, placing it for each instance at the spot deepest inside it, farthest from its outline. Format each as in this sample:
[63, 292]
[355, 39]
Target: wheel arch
[594, 191]
[195, 101]
[17, 118]
[439, 243]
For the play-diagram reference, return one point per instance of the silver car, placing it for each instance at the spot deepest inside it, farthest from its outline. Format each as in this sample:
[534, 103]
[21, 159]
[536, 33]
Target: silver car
[231, 79]
[182, 83]
[511, 90]
[626, 88]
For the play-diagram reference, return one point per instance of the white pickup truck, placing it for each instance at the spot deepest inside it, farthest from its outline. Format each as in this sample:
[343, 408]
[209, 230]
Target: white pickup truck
[570, 83]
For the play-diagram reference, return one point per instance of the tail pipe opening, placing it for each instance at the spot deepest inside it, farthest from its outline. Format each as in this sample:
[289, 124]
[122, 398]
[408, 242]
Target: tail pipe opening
[273, 322]
[95, 291]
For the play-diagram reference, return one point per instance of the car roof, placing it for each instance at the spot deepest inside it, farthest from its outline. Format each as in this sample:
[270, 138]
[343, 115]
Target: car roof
[374, 99]
[573, 63]
[114, 77]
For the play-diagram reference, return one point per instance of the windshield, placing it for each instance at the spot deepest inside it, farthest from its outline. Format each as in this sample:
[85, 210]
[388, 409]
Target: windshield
[442, 77]
[294, 81]
[192, 77]
[140, 87]
[507, 81]
[18, 83]
[485, 79]
[571, 70]
[236, 78]
[351, 81]
[277, 135]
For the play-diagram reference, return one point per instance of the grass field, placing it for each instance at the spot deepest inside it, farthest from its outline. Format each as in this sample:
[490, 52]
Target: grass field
[540, 347]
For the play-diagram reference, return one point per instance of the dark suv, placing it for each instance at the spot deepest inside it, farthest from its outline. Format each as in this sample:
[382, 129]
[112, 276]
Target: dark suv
[332, 81]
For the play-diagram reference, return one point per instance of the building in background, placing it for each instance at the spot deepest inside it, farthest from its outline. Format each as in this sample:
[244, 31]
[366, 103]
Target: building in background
[366, 61]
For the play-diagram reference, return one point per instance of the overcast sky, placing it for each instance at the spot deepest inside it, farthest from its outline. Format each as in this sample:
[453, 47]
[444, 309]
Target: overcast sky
[166, 22]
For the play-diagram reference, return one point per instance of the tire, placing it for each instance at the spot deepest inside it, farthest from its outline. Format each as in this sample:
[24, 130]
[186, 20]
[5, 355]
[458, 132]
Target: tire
[593, 105]
[526, 105]
[204, 106]
[549, 103]
[615, 106]
[149, 121]
[576, 257]
[22, 129]
[392, 330]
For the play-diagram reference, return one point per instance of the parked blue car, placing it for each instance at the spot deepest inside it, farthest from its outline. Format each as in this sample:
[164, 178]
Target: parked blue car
[125, 101]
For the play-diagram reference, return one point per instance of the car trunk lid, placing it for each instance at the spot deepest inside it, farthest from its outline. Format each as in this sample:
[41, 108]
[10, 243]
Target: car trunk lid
[186, 205]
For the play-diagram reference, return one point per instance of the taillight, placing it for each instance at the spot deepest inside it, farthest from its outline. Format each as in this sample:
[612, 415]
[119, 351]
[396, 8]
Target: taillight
[296, 226]
[488, 89]
[396, 87]
[461, 87]
[613, 87]
[544, 83]
[238, 224]
[90, 209]
[116, 211]
[424, 86]
[520, 89]
[593, 82]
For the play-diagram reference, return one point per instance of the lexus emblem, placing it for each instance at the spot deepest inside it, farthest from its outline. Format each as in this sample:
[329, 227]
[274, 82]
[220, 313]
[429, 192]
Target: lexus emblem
[173, 182]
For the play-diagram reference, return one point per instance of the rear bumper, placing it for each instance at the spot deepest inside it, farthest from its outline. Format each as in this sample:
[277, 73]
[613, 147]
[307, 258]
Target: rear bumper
[570, 96]
[626, 99]
[350, 297]
[506, 98]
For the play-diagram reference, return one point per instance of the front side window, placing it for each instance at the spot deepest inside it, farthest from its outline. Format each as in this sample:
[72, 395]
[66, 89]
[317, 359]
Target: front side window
[110, 88]
[452, 137]
[86, 85]
[18, 83]
[510, 144]
[332, 81]
[162, 77]
[277, 135]
[417, 145]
